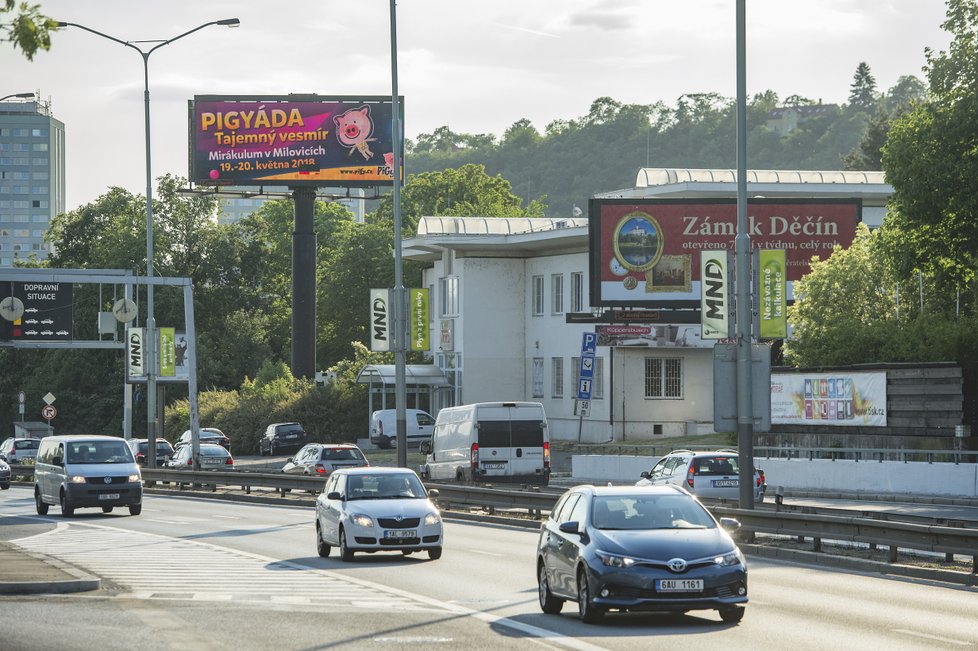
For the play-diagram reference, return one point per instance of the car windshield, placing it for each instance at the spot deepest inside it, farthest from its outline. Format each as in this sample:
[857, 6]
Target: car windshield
[384, 487]
[636, 512]
[97, 452]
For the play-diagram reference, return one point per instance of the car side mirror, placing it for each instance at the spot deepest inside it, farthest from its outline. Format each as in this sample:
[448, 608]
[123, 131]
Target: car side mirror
[730, 524]
[645, 474]
[570, 527]
[425, 447]
[334, 495]
[3, 457]
[433, 492]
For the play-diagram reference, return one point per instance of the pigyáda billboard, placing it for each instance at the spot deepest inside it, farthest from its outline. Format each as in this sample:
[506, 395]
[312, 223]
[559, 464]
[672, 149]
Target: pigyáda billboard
[292, 140]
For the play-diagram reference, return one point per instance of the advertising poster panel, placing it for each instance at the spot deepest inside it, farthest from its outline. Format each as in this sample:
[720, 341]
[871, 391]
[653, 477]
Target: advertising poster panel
[134, 352]
[381, 325]
[715, 298]
[168, 343]
[846, 399]
[772, 281]
[419, 319]
[292, 140]
[651, 336]
[646, 253]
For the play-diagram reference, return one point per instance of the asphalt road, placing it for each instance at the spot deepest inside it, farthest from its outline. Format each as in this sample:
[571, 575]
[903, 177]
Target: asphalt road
[197, 574]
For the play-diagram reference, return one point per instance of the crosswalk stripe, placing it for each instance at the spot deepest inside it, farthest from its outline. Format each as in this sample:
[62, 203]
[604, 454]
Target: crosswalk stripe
[157, 567]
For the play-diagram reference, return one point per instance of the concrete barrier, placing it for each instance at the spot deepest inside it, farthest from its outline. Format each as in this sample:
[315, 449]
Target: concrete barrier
[958, 480]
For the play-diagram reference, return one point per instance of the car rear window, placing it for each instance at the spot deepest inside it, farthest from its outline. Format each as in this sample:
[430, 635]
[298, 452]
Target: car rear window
[288, 429]
[716, 466]
[26, 444]
[515, 433]
[342, 454]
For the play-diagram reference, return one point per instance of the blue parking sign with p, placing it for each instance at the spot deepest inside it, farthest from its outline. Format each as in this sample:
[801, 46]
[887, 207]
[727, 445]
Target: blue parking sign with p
[589, 343]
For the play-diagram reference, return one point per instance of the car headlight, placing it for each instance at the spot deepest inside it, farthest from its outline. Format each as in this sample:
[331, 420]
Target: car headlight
[615, 560]
[730, 558]
[133, 478]
[432, 518]
[361, 520]
[77, 479]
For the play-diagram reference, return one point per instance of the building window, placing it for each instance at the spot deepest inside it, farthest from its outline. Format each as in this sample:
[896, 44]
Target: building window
[449, 295]
[538, 296]
[663, 377]
[537, 377]
[40, 146]
[557, 293]
[39, 133]
[577, 292]
[557, 365]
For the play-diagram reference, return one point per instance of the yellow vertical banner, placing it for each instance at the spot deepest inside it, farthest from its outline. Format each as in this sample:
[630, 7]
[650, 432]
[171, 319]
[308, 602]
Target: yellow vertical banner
[773, 277]
[419, 319]
[168, 352]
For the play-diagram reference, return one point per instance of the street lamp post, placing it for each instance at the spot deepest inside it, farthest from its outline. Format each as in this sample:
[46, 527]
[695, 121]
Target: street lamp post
[20, 95]
[150, 354]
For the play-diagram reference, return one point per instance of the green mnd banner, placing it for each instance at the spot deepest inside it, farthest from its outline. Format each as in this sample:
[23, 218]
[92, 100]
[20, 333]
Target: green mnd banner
[773, 315]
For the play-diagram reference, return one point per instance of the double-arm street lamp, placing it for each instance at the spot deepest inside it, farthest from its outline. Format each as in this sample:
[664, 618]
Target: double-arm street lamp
[150, 354]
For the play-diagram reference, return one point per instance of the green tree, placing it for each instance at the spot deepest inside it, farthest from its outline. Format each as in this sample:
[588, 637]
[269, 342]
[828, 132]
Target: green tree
[931, 160]
[862, 93]
[463, 192]
[825, 334]
[25, 27]
[907, 90]
[869, 154]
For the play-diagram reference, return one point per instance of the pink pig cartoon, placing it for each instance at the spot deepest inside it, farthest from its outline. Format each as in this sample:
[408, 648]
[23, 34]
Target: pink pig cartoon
[353, 129]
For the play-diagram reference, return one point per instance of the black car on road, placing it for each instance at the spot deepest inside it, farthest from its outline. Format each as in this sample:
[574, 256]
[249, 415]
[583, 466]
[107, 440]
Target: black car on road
[280, 437]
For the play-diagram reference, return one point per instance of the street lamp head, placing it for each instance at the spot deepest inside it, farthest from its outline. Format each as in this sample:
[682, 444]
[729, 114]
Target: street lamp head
[17, 95]
[62, 23]
[230, 22]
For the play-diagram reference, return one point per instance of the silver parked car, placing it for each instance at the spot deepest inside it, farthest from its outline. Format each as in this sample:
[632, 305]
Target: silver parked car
[212, 457]
[713, 475]
[323, 458]
[377, 509]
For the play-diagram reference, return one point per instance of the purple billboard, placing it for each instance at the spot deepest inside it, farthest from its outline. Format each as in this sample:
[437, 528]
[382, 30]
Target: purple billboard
[292, 140]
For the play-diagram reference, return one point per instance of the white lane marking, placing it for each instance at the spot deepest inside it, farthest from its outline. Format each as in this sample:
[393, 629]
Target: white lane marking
[934, 638]
[227, 517]
[162, 521]
[479, 551]
[539, 634]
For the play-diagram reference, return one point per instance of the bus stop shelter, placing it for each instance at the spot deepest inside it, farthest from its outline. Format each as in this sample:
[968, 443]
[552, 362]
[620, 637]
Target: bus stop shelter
[422, 382]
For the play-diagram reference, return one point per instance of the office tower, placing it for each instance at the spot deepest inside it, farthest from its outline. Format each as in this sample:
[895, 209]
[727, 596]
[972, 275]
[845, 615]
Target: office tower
[32, 176]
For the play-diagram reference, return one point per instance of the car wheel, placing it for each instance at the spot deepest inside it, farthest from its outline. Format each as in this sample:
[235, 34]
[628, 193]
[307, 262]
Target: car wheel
[321, 547]
[406, 552]
[434, 553]
[345, 552]
[42, 508]
[4, 486]
[384, 443]
[106, 509]
[732, 615]
[135, 509]
[548, 602]
[67, 510]
[588, 612]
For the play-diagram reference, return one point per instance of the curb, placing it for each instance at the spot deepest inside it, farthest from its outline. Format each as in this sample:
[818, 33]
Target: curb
[82, 582]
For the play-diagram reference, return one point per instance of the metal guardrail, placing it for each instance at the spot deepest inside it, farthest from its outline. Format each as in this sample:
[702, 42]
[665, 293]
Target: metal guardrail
[818, 526]
[894, 535]
[782, 452]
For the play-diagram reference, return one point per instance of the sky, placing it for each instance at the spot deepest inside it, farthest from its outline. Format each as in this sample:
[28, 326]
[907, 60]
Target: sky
[476, 67]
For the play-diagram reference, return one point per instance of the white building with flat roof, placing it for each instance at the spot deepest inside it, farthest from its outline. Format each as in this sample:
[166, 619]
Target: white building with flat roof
[502, 289]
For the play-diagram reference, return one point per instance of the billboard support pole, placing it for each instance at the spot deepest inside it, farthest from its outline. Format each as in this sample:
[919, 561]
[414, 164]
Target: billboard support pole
[304, 284]
[745, 415]
[400, 302]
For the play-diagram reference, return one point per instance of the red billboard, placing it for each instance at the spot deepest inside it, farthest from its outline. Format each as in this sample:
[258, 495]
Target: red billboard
[645, 253]
[292, 140]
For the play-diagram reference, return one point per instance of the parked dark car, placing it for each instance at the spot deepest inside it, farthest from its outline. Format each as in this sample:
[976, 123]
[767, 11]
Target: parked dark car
[281, 437]
[212, 457]
[4, 474]
[322, 459]
[140, 450]
[640, 548]
[207, 435]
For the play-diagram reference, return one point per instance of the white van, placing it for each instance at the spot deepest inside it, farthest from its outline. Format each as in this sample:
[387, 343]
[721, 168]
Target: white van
[490, 442]
[383, 427]
[81, 471]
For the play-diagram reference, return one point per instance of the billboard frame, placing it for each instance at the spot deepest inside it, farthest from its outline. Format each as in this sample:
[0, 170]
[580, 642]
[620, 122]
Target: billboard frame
[382, 130]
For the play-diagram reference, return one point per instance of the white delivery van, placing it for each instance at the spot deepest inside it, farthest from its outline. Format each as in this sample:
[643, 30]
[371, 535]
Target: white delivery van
[489, 442]
[383, 427]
